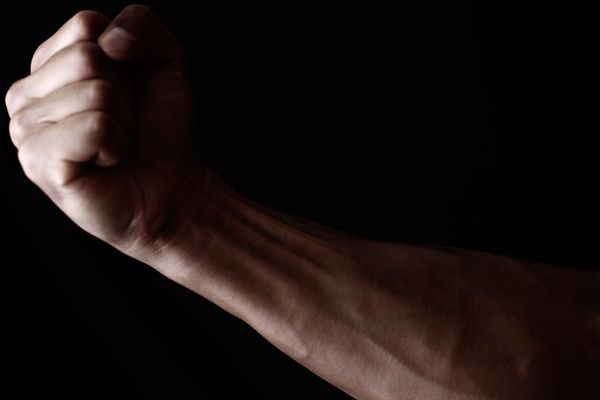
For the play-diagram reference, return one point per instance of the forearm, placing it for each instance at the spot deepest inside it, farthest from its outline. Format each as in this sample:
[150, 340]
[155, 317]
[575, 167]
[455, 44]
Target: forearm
[380, 321]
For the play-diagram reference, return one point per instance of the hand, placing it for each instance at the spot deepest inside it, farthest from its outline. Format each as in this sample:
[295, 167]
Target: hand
[105, 125]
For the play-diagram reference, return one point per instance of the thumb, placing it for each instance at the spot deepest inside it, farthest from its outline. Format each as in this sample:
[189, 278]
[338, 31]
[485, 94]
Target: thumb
[137, 36]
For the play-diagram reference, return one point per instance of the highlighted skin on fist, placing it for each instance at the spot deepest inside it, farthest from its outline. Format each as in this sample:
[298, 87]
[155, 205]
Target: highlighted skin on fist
[105, 126]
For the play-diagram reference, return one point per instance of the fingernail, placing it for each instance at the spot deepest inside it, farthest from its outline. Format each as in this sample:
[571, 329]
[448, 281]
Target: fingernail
[118, 40]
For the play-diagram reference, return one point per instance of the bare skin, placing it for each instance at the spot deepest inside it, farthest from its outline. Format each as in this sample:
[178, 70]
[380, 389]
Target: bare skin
[108, 132]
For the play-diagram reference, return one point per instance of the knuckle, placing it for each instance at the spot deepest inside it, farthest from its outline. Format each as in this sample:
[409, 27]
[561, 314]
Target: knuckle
[86, 57]
[8, 99]
[29, 162]
[100, 125]
[84, 22]
[83, 26]
[12, 95]
[98, 94]
[36, 56]
[16, 128]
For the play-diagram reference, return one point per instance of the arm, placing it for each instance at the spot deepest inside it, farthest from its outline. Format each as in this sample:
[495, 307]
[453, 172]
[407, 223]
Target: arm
[378, 320]
[385, 320]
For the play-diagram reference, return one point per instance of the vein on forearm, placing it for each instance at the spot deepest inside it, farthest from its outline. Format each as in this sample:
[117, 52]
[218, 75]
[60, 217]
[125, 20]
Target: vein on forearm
[372, 318]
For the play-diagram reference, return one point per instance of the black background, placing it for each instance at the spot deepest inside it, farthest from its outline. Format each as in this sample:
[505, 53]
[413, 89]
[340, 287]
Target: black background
[436, 122]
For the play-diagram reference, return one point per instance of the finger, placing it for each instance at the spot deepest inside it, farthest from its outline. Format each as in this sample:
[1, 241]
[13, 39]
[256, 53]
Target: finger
[78, 62]
[137, 35]
[85, 26]
[59, 153]
[78, 97]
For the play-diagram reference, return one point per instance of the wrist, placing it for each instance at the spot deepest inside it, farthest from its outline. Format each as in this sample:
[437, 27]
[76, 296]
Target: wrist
[228, 251]
[186, 199]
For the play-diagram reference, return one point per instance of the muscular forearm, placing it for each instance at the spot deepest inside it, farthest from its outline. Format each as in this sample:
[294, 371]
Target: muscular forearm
[386, 321]
[104, 125]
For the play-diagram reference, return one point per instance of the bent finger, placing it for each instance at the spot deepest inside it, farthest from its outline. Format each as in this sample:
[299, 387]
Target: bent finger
[78, 62]
[59, 153]
[85, 26]
[78, 97]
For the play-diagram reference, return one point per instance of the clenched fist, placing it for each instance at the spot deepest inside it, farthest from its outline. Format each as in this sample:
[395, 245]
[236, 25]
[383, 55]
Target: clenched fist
[105, 125]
